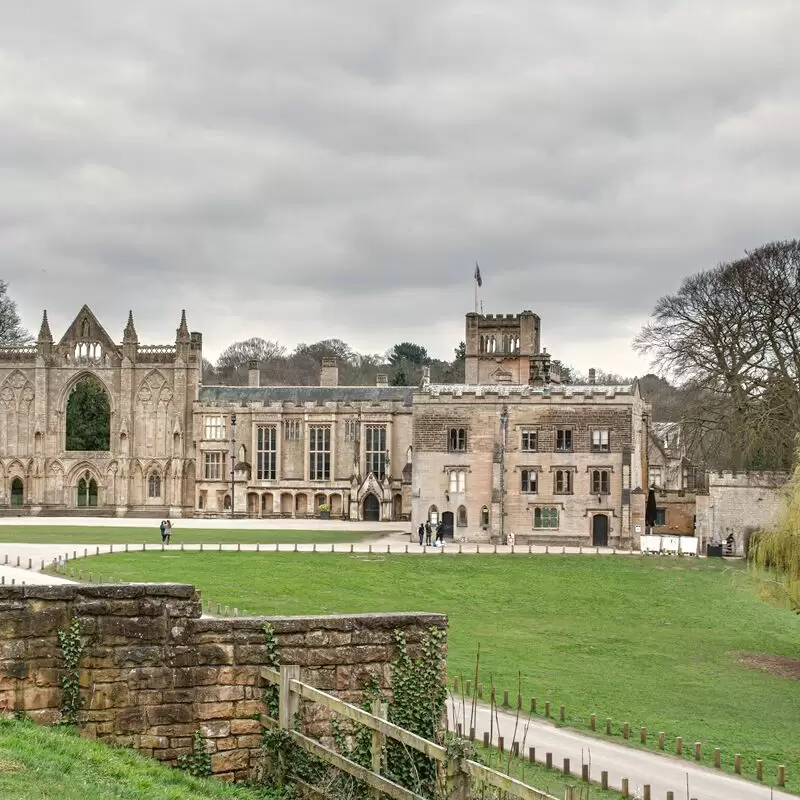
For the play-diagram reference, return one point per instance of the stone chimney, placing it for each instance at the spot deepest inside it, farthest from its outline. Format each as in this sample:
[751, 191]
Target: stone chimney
[592, 376]
[253, 373]
[329, 374]
[382, 379]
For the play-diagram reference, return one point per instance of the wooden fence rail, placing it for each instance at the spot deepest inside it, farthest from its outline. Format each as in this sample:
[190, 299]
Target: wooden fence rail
[460, 773]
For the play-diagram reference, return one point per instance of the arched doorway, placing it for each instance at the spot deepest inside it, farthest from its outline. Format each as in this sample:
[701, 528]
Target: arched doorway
[87, 492]
[371, 511]
[600, 530]
[17, 492]
[447, 524]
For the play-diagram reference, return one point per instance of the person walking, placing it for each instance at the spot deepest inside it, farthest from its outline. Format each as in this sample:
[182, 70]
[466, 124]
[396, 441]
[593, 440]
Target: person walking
[440, 533]
[421, 533]
[163, 529]
[168, 530]
[428, 531]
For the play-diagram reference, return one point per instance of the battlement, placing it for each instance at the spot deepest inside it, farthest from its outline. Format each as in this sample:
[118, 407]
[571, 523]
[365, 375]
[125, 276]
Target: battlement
[747, 480]
[18, 353]
[552, 392]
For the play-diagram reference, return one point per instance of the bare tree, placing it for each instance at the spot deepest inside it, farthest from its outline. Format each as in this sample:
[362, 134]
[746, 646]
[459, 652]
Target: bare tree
[730, 336]
[11, 330]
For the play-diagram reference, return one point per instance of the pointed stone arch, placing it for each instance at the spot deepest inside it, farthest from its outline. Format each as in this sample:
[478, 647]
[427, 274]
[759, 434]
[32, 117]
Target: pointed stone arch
[16, 413]
[85, 486]
[54, 483]
[155, 417]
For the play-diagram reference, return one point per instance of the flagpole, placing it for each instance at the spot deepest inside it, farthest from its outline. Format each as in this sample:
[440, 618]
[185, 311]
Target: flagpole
[475, 281]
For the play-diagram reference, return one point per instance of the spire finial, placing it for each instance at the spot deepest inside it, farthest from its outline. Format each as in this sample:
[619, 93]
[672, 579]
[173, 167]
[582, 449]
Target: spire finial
[183, 329]
[129, 336]
[44, 331]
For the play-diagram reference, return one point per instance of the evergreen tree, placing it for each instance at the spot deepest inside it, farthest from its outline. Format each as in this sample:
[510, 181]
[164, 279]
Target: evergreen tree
[88, 418]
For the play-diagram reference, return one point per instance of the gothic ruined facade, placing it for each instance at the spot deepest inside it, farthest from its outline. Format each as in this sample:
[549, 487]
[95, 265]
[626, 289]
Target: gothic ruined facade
[149, 464]
[512, 450]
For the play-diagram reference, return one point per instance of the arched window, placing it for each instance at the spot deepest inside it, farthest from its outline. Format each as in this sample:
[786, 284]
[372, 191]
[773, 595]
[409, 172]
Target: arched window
[485, 517]
[17, 492]
[88, 417]
[226, 504]
[461, 517]
[433, 515]
[154, 485]
[87, 492]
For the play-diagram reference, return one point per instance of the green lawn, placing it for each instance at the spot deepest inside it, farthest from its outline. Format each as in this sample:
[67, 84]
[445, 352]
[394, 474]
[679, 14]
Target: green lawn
[649, 641]
[69, 534]
[38, 763]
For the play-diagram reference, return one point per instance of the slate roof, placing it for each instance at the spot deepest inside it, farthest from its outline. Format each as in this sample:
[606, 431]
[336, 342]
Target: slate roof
[242, 395]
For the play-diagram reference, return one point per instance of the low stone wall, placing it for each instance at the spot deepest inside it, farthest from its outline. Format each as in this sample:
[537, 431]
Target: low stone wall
[154, 671]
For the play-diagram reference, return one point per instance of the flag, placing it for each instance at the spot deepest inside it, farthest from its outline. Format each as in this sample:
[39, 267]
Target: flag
[478, 278]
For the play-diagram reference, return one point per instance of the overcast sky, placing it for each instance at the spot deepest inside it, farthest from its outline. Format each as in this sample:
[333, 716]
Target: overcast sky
[307, 170]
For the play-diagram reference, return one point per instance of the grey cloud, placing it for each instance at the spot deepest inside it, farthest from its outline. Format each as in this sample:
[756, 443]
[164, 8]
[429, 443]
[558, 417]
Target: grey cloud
[311, 169]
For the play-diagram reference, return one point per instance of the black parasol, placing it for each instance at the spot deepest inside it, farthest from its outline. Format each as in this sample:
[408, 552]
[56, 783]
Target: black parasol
[650, 509]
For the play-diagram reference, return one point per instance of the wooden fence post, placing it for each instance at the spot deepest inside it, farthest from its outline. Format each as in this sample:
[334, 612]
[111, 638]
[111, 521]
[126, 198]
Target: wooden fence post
[458, 781]
[547, 709]
[781, 775]
[593, 722]
[287, 702]
[608, 726]
[643, 735]
[381, 710]
[679, 746]
[486, 741]
[562, 713]
[532, 755]
[646, 792]
[604, 779]
[670, 795]
[717, 757]
[548, 760]
[566, 766]
[698, 751]
[759, 770]
[661, 740]
[626, 730]
[585, 773]
[625, 791]
[737, 764]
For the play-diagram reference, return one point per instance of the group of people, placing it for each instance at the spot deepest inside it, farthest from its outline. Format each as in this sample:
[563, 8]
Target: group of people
[166, 530]
[425, 533]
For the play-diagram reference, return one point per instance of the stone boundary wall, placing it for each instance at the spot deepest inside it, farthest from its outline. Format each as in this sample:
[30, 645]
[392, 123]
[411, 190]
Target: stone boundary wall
[153, 671]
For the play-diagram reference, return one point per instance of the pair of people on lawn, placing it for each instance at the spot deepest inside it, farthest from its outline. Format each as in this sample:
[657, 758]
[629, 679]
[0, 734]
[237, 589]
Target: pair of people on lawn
[166, 530]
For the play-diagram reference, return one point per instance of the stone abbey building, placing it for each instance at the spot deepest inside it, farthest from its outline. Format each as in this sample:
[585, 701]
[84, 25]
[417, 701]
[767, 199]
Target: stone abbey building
[512, 450]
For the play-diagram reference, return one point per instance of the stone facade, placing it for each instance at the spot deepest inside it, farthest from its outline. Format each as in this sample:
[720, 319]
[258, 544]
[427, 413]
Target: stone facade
[150, 390]
[298, 448]
[154, 672]
[550, 464]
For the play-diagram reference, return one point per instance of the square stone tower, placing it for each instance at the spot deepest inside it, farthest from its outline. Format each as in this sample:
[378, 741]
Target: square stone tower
[500, 347]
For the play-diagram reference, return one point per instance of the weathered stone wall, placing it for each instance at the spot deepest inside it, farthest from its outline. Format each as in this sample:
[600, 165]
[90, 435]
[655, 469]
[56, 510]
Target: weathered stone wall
[739, 503]
[154, 671]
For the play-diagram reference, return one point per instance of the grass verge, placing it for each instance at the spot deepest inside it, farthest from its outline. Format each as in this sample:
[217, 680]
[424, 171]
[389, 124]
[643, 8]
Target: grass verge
[38, 763]
[36, 534]
[652, 642]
